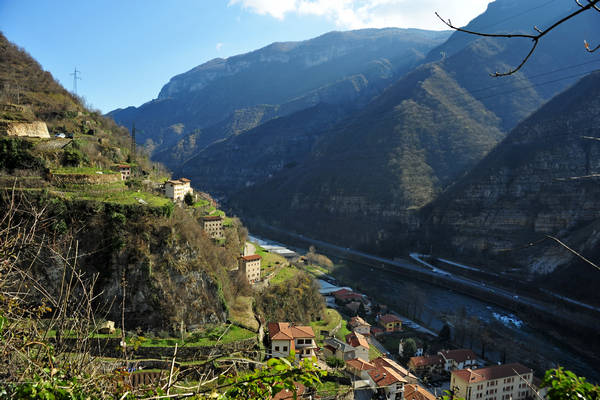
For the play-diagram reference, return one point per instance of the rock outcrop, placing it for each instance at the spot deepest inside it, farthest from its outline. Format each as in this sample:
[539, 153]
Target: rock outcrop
[29, 129]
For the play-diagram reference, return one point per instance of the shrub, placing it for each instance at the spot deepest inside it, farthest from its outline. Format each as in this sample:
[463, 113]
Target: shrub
[334, 362]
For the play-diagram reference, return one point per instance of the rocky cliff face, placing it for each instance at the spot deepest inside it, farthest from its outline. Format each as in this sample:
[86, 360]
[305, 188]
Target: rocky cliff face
[30, 129]
[172, 271]
[543, 179]
[287, 76]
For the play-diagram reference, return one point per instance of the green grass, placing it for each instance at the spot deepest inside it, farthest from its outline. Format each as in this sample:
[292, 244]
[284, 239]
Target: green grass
[283, 274]
[330, 320]
[234, 334]
[242, 313]
[343, 331]
[374, 352]
[115, 192]
[270, 262]
[82, 171]
[331, 389]
[315, 270]
[201, 203]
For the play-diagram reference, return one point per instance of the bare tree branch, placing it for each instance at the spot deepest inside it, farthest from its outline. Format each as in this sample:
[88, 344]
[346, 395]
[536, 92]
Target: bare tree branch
[592, 4]
[573, 251]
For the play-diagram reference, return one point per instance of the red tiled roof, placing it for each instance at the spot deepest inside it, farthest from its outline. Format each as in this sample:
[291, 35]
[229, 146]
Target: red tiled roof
[287, 394]
[124, 166]
[174, 182]
[386, 362]
[387, 318]
[489, 373]
[416, 392]
[184, 180]
[425, 361]
[355, 339]
[287, 331]
[212, 218]
[252, 257]
[360, 364]
[460, 355]
[384, 376]
[345, 294]
[375, 330]
[358, 321]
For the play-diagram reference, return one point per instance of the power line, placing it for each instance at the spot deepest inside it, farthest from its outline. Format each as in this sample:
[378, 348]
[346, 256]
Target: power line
[75, 78]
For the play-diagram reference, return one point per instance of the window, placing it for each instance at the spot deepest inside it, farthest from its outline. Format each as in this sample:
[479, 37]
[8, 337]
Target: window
[276, 348]
[284, 348]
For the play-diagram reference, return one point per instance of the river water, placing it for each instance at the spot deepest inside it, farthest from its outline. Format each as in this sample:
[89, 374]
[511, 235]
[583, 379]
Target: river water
[524, 343]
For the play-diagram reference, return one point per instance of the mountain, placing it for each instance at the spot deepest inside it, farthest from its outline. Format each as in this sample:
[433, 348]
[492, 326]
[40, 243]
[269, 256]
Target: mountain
[225, 96]
[372, 170]
[542, 180]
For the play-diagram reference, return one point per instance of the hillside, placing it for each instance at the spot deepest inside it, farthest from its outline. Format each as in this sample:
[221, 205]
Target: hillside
[124, 231]
[226, 96]
[424, 132]
[541, 180]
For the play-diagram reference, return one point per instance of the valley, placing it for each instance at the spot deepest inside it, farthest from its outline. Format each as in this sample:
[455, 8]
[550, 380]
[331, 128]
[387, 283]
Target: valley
[429, 199]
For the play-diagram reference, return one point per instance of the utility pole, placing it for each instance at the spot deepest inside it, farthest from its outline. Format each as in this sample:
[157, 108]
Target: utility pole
[75, 78]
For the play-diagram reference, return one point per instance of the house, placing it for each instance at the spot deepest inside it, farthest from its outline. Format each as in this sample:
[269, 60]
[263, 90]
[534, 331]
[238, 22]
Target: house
[499, 382]
[458, 359]
[176, 189]
[416, 392]
[344, 296]
[359, 368]
[353, 307]
[250, 265]
[357, 324]
[287, 394]
[376, 331]
[286, 337]
[338, 349]
[389, 363]
[213, 226]
[388, 382]
[426, 365]
[390, 323]
[360, 344]
[125, 171]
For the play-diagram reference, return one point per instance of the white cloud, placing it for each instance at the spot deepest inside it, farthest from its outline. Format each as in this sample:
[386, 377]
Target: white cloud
[354, 14]
[219, 46]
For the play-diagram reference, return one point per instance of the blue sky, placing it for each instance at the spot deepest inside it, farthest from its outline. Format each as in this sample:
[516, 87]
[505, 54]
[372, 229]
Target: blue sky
[127, 50]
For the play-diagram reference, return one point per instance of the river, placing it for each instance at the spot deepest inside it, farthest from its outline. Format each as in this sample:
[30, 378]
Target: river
[523, 342]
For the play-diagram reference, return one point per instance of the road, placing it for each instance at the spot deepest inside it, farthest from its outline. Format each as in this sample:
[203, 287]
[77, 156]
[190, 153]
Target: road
[424, 269]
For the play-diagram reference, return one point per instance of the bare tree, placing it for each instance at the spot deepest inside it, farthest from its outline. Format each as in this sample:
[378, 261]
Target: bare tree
[592, 5]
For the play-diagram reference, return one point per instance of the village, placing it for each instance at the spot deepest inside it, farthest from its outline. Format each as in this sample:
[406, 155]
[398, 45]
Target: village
[359, 357]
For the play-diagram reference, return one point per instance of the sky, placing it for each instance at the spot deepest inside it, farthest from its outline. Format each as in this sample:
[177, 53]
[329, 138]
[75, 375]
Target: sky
[126, 50]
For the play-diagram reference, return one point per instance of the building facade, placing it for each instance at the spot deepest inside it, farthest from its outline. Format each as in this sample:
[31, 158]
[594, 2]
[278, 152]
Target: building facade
[498, 382]
[125, 171]
[250, 265]
[360, 345]
[286, 337]
[176, 189]
[213, 226]
[360, 325]
[390, 323]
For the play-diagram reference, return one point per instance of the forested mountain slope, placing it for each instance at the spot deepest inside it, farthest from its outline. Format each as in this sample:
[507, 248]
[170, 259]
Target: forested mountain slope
[541, 180]
[424, 132]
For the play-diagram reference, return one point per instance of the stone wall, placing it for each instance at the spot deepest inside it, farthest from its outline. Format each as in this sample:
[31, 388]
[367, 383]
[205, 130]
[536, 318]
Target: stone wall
[29, 129]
